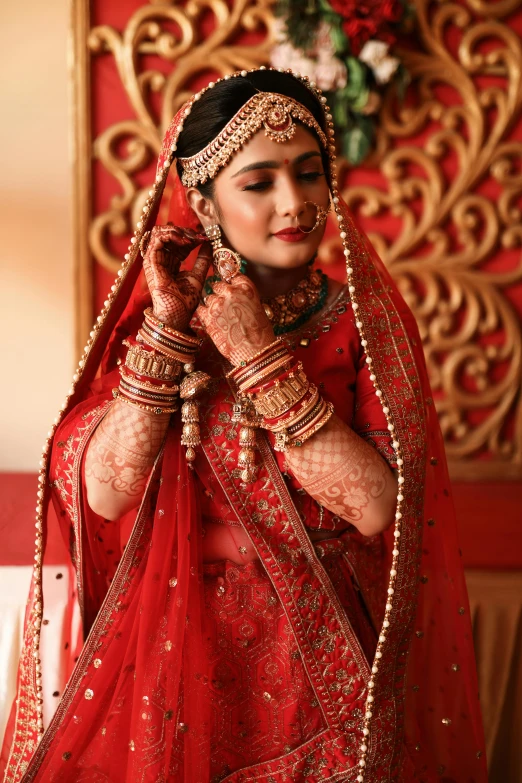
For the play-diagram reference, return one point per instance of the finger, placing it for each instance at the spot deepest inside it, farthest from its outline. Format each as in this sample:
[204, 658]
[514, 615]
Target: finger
[201, 264]
[220, 287]
[167, 227]
[203, 315]
[172, 233]
[241, 280]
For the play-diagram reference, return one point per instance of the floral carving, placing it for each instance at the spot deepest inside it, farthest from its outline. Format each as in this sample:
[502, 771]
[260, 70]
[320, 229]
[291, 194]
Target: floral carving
[454, 202]
[445, 216]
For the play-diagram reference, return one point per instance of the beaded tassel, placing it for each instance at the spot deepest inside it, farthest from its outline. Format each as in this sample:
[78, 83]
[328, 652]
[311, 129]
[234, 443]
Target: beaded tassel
[191, 435]
[244, 414]
[191, 387]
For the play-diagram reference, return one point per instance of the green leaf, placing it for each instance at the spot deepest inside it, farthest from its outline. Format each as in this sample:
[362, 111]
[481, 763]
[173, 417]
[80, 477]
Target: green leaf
[360, 101]
[356, 78]
[338, 38]
[357, 142]
[339, 109]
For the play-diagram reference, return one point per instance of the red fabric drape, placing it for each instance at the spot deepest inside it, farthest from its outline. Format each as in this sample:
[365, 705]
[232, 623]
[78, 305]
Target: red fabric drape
[138, 695]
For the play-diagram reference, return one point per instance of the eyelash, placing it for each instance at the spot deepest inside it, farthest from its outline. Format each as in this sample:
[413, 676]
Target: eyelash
[310, 176]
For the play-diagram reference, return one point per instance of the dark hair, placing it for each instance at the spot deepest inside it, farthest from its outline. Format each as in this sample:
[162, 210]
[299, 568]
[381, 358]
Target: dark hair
[217, 106]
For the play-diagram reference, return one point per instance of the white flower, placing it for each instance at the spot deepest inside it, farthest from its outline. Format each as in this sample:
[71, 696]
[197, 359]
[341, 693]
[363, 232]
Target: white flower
[318, 63]
[375, 55]
[330, 75]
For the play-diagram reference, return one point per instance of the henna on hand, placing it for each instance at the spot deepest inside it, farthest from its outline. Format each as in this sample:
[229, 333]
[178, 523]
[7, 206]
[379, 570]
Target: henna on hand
[235, 320]
[175, 294]
[120, 457]
[346, 475]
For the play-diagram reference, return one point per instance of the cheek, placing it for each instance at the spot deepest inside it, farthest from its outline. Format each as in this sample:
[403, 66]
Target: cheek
[244, 213]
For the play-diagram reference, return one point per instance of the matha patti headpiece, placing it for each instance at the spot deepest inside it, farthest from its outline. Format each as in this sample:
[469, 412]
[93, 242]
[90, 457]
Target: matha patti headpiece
[275, 112]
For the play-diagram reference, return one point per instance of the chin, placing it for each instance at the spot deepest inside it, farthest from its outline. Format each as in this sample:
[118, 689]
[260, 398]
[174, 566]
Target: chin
[290, 258]
[291, 261]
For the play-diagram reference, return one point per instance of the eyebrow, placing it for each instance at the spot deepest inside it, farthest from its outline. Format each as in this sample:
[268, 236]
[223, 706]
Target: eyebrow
[274, 164]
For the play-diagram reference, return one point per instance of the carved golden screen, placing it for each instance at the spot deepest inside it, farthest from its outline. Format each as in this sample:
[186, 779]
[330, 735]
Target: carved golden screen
[445, 216]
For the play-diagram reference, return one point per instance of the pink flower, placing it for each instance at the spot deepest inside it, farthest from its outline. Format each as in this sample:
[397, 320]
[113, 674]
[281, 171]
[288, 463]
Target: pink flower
[319, 63]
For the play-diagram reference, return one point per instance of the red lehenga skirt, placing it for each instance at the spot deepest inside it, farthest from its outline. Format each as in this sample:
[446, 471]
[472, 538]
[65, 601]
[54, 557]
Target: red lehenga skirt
[261, 701]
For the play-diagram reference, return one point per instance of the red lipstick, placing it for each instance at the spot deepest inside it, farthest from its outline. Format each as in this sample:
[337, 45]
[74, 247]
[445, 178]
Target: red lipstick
[293, 233]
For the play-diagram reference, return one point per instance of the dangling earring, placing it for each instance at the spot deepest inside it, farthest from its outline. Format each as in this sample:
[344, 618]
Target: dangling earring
[227, 263]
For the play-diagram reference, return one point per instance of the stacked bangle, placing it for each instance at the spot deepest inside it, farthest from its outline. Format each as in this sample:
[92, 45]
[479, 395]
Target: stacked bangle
[153, 366]
[150, 375]
[173, 344]
[149, 363]
[278, 388]
[261, 366]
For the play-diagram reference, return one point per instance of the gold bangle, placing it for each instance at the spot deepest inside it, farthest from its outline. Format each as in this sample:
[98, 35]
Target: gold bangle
[151, 363]
[164, 345]
[280, 398]
[296, 418]
[136, 393]
[284, 440]
[156, 323]
[308, 422]
[171, 388]
[265, 373]
[258, 366]
[253, 358]
[316, 427]
[142, 406]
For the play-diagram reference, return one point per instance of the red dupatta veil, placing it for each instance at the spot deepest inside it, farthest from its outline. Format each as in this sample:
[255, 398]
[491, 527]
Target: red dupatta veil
[142, 616]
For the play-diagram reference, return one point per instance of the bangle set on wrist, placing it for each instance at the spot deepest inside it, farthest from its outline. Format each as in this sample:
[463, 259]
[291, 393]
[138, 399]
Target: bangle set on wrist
[150, 377]
[273, 390]
[274, 385]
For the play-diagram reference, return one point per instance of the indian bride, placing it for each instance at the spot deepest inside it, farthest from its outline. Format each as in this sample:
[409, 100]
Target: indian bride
[250, 478]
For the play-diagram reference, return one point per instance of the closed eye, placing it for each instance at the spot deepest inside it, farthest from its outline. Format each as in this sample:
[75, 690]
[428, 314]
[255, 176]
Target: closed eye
[307, 176]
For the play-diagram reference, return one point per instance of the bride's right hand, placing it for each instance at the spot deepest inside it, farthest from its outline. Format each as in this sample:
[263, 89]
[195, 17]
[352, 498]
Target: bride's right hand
[175, 295]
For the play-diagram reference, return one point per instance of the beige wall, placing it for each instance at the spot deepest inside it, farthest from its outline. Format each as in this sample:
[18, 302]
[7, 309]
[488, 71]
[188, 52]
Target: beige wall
[36, 270]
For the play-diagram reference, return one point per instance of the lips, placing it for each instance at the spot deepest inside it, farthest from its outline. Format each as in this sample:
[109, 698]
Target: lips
[293, 234]
[292, 230]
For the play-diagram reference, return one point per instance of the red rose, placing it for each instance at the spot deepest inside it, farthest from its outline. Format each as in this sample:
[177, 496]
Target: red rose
[367, 19]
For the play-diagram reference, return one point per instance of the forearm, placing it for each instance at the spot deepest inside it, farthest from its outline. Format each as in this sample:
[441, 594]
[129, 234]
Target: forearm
[120, 456]
[347, 476]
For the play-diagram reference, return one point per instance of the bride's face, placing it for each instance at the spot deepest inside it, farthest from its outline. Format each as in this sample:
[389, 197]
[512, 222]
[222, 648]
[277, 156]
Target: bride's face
[266, 188]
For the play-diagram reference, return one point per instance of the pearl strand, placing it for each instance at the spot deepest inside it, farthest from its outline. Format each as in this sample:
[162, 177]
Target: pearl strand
[368, 714]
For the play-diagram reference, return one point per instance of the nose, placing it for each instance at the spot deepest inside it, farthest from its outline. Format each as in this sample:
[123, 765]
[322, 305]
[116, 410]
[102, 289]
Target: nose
[290, 201]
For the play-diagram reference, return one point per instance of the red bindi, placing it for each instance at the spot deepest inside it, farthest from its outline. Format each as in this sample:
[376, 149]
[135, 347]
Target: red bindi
[286, 161]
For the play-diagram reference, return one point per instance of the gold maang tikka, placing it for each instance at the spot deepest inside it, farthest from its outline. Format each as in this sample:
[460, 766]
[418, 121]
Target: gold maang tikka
[276, 114]
[227, 262]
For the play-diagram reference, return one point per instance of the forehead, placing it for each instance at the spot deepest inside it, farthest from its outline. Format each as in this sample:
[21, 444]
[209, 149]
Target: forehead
[260, 148]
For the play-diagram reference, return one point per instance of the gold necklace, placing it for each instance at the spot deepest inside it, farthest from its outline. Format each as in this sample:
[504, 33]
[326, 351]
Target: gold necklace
[289, 311]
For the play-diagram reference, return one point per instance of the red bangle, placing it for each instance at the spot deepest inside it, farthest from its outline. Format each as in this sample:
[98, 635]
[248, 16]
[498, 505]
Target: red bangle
[269, 384]
[127, 371]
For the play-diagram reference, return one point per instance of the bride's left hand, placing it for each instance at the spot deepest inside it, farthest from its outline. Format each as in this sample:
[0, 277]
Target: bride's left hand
[235, 319]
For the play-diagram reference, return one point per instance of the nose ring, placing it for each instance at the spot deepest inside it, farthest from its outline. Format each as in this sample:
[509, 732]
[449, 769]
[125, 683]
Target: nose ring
[320, 218]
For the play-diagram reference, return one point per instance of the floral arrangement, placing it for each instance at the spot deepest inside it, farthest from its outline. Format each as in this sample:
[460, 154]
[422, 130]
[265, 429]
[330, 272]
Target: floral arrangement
[345, 46]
